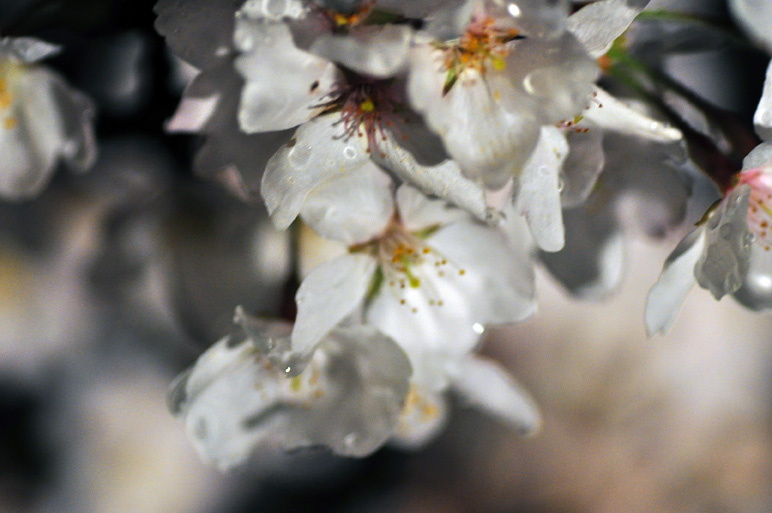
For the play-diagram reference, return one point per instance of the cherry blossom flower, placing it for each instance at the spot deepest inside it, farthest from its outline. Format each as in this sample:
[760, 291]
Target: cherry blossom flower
[42, 120]
[429, 277]
[242, 393]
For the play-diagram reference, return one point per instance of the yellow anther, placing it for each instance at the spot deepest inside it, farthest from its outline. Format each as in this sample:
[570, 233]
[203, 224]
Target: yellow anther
[10, 123]
[367, 105]
[499, 63]
[295, 384]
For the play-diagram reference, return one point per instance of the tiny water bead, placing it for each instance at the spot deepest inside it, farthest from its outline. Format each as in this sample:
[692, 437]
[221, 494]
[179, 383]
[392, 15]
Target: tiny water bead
[759, 203]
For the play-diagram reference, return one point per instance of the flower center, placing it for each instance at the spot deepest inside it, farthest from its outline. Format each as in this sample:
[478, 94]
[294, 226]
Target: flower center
[342, 21]
[406, 261]
[759, 203]
[368, 108]
[481, 44]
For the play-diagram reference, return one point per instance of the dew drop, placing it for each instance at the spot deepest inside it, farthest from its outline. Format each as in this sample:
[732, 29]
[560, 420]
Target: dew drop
[299, 156]
[478, 328]
[726, 231]
[349, 152]
[561, 182]
[350, 440]
[537, 83]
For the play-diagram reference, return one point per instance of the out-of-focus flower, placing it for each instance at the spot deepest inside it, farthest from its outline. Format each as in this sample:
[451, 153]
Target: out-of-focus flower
[243, 392]
[42, 120]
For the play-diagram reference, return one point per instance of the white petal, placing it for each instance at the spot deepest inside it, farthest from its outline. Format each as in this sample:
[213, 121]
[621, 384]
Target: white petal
[331, 292]
[538, 198]
[318, 152]
[677, 278]
[582, 167]
[469, 279]
[27, 49]
[192, 114]
[762, 119]
[755, 16]
[284, 86]
[443, 180]
[423, 417]
[350, 207]
[597, 25]
[378, 51]
[349, 398]
[725, 261]
[500, 286]
[485, 384]
[419, 212]
[611, 114]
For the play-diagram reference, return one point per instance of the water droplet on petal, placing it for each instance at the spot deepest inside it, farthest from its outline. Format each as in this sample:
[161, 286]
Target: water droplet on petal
[536, 83]
[478, 328]
[299, 156]
[350, 440]
[349, 152]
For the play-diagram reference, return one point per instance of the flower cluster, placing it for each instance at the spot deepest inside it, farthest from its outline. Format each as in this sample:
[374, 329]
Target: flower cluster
[438, 143]
[443, 150]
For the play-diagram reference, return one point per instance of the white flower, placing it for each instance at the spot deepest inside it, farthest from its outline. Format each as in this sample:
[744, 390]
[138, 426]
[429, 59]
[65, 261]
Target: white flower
[42, 120]
[487, 93]
[242, 393]
[734, 238]
[431, 279]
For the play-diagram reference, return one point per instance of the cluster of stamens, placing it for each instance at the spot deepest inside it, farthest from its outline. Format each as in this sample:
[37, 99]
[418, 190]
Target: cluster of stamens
[482, 43]
[759, 203]
[368, 108]
[400, 253]
[571, 124]
[342, 21]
